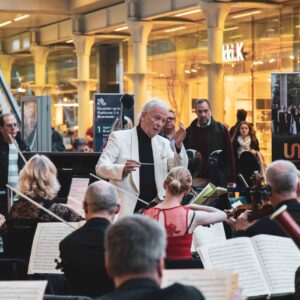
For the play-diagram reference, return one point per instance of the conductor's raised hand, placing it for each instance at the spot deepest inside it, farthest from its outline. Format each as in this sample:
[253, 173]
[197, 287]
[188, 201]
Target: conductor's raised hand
[130, 166]
[180, 136]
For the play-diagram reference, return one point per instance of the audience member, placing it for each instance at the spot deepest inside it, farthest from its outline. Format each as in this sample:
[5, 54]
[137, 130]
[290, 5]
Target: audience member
[206, 136]
[82, 252]
[138, 159]
[10, 160]
[57, 141]
[89, 135]
[135, 248]
[180, 221]
[282, 175]
[241, 115]
[169, 129]
[81, 145]
[246, 151]
[38, 181]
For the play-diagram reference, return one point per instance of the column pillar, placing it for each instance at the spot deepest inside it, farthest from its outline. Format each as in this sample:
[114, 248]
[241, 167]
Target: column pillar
[215, 14]
[139, 31]
[6, 62]
[40, 55]
[83, 45]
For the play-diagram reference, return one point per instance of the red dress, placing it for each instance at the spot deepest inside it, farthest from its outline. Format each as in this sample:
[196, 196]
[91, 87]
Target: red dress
[176, 225]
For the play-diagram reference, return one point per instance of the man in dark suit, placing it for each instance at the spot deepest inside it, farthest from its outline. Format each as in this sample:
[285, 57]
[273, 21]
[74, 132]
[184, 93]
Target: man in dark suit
[282, 175]
[135, 248]
[82, 252]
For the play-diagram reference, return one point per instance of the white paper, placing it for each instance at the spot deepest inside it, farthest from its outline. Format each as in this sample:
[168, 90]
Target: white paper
[45, 247]
[280, 258]
[204, 235]
[239, 256]
[76, 194]
[22, 290]
[213, 284]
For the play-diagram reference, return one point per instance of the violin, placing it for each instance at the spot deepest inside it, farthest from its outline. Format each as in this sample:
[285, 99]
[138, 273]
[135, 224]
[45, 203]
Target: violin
[260, 205]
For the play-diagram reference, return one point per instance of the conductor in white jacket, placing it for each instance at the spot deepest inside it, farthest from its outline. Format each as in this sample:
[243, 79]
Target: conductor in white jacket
[138, 160]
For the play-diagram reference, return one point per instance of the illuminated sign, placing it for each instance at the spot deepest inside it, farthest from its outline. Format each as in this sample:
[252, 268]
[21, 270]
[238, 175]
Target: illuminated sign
[233, 52]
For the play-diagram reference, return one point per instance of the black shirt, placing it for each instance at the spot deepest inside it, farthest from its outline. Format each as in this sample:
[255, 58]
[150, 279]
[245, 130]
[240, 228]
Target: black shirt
[148, 189]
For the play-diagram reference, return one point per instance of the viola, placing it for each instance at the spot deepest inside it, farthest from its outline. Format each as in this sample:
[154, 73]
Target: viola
[260, 205]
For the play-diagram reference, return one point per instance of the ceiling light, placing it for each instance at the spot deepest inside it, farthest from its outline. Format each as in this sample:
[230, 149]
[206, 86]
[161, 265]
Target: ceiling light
[271, 60]
[5, 23]
[121, 28]
[187, 72]
[21, 18]
[175, 29]
[292, 57]
[188, 12]
[297, 26]
[69, 41]
[193, 70]
[231, 28]
[255, 12]
[66, 104]
[236, 36]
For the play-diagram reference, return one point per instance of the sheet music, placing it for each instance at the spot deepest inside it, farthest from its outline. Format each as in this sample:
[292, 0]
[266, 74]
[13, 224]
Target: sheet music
[280, 258]
[76, 195]
[239, 256]
[204, 235]
[25, 290]
[45, 247]
[213, 284]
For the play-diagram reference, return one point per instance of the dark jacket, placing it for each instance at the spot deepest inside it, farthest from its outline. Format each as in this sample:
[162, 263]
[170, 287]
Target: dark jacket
[82, 254]
[267, 226]
[147, 289]
[207, 140]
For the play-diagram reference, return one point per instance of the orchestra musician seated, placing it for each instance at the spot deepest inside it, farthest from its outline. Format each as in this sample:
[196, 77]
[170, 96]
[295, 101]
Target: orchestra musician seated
[282, 175]
[38, 181]
[180, 221]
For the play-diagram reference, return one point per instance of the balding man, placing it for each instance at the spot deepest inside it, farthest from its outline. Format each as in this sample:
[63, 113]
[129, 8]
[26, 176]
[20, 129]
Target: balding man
[136, 247]
[138, 160]
[282, 175]
[82, 252]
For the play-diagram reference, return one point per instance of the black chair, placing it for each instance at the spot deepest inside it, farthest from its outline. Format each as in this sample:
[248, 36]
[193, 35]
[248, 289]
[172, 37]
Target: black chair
[13, 269]
[56, 297]
[183, 263]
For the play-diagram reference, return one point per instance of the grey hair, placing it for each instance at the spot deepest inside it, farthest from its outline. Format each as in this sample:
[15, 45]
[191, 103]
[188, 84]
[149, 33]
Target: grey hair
[148, 106]
[101, 196]
[282, 176]
[134, 245]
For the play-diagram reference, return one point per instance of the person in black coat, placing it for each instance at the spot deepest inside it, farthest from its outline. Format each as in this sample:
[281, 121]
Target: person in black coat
[135, 248]
[8, 129]
[82, 252]
[283, 177]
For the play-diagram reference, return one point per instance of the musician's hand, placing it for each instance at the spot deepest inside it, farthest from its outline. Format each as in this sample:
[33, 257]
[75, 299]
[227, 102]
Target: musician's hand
[231, 185]
[242, 222]
[180, 136]
[130, 166]
[2, 220]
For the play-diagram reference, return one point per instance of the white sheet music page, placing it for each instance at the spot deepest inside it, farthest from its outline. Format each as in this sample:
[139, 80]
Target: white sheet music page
[76, 194]
[204, 235]
[213, 284]
[239, 256]
[45, 247]
[280, 258]
[25, 290]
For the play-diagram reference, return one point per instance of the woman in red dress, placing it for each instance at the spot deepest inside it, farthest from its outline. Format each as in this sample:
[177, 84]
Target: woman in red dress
[180, 221]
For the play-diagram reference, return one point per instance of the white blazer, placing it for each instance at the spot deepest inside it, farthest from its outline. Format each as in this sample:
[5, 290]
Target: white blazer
[123, 145]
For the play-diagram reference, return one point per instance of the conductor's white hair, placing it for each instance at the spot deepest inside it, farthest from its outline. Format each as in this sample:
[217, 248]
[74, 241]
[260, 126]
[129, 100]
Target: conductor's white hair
[148, 106]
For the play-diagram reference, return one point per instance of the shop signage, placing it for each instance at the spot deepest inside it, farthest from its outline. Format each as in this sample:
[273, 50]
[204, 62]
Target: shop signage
[233, 52]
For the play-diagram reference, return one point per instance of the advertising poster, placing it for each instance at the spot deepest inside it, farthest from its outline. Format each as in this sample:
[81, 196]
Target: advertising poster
[286, 117]
[107, 113]
[30, 122]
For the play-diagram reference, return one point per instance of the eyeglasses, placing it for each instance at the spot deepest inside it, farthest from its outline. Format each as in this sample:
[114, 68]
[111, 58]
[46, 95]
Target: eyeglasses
[170, 119]
[11, 125]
